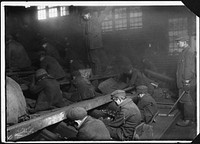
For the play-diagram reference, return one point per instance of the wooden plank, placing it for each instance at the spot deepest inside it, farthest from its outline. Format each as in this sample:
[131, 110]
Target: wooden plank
[46, 118]
[102, 77]
[20, 73]
[33, 125]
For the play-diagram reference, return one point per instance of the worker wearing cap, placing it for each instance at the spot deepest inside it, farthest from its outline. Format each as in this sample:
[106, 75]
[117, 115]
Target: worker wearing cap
[85, 89]
[146, 103]
[127, 118]
[88, 128]
[48, 91]
[136, 78]
[51, 65]
[16, 55]
[186, 81]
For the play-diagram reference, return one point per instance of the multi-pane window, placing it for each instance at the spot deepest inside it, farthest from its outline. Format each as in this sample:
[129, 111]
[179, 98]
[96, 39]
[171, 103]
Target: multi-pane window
[135, 17]
[45, 12]
[120, 18]
[41, 12]
[53, 12]
[64, 11]
[107, 24]
[177, 27]
[123, 18]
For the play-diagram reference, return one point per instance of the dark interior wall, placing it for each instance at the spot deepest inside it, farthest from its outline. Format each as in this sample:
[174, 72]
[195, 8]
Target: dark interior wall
[131, 43]
[56, 29]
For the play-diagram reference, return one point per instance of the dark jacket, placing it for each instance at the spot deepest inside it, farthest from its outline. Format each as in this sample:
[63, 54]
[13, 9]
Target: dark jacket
[85, 89]
[186, 70]
[53, 68]
[137, 78]
[148, 107]
[49, 94]
[126, 119]
[52, 51]
[93, 129]
[186, 67]
[16, 55]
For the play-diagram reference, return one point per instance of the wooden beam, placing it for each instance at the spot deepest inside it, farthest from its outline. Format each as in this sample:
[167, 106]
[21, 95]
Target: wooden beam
[51, 117]
[159, 76]
[31, 126]
[20, 73]
[102, 77]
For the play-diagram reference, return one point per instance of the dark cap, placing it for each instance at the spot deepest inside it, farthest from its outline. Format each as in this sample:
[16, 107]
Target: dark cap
[142, 89]
[77, 113]
[182, 38]
[118, 94]
[40, 72]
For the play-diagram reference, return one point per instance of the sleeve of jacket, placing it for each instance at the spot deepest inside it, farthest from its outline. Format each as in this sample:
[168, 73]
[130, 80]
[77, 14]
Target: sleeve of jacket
[43, 64]
[189, 70]
[37, 88]
[119, 119]
[83, 135]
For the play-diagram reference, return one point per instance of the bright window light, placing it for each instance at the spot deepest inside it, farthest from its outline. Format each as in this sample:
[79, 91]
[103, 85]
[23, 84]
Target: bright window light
[53, 12]
[42, 14]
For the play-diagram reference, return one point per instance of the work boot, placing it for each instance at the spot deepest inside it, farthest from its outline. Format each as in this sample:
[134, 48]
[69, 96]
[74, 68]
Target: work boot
[184, 123]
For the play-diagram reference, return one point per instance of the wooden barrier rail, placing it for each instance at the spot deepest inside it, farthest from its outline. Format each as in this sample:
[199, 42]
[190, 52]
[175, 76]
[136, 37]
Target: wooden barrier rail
[31, 126]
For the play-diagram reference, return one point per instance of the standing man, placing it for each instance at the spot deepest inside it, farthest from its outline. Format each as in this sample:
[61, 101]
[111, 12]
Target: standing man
[88, 128]
[186, 81]
[94, 40]
[127, 118]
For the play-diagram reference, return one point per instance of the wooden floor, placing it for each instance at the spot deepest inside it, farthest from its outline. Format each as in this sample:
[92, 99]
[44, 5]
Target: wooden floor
[177, 133]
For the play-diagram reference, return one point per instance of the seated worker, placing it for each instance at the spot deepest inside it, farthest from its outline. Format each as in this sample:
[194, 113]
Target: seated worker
[16, 55]
[85, 90]
[51, 50]
[48, 91]
[88, 127]
[127, 117]
[146, 103]
[135, 78]
[52, 66]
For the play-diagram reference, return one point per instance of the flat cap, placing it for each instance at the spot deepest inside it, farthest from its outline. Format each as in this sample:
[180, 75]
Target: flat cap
[77, 113]
[182, 38]
[40, 72]
[142, 89]
[118, 94]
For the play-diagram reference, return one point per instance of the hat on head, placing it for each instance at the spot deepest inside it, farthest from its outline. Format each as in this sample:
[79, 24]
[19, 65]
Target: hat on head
[142, 89]
[118, 94]
[182, 38]
[77, 113]
[40, 72]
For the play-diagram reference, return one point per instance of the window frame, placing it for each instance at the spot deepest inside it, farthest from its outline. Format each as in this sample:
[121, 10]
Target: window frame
[178, 26]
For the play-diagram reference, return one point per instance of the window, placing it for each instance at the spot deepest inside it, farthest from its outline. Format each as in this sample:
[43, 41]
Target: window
[41, 13]
[120, 19]
[107, 24]
[45, 12]
[123, 18]
[177, 26]
[135, 17]
[53, 12]
[64, 11]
